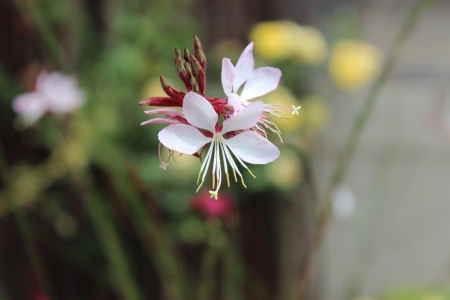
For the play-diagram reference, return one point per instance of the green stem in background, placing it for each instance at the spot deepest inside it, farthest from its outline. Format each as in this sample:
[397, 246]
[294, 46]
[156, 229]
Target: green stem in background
[25, 231]
[340, 172]
[158, 249]
[48, 36]
[117, 263]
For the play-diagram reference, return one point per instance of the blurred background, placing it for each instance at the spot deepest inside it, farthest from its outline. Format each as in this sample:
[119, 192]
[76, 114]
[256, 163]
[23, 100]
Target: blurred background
[86, 211]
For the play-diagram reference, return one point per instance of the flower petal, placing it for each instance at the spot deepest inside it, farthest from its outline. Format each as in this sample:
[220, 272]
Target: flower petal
[228, 75]
[30, 107]
[235, 101]
[183, 138]
[244, 67]
[171, 113]
[246, 119]
[199, 112]
[261, 81]
[253, 148]
[161, 121]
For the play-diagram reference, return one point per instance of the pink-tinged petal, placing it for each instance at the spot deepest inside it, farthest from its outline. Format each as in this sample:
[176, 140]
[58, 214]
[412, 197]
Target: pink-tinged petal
[244, 67]
[183, 138]
[228, 75]
[171, 113]
[246, 119]
[199, 112]
[235, 101]
[261, 81]
[161, 121]
[30, 107]
[253, 148]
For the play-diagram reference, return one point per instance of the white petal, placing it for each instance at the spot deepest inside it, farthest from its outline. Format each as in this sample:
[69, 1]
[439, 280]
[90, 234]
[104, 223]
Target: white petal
[235, 101]
[244, 67]
[30, 106]
[228, 75]
[253, 148]
[261, 81]
[246, 119]
[199, 112]
[183, 138]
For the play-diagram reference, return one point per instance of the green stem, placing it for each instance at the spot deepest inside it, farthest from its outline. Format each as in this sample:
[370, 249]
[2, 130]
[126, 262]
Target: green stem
[353, 140]
[48, 36]
[25, 231]
[145, 224]
[117, 263]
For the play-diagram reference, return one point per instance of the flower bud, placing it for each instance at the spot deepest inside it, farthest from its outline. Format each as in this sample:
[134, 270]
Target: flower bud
[160, 101]
[199, 52]
[187, 55]
[200, 74]
[183, 73]
[170, 91]
[177, 54]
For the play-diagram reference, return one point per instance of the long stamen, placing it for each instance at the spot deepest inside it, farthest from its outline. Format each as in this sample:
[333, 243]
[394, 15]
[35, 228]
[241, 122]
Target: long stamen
[225, 163]
[239, 160]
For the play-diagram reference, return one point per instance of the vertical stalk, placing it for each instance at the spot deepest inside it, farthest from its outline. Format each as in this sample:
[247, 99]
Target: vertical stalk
[324, 212]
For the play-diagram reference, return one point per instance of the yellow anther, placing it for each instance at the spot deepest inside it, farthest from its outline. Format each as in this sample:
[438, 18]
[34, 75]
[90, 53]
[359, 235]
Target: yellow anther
[214, 194]
[199, 187]
[243, 183]
[234, 173]
[251, 173]
[228, 179]
[295, 110]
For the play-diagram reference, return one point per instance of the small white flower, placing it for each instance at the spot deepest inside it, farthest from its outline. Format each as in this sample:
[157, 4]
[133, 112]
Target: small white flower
[344, 202]
[233, 138]
[55, 93]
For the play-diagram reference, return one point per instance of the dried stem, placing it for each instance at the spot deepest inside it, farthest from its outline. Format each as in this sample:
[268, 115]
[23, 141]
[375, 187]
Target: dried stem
[324, 211]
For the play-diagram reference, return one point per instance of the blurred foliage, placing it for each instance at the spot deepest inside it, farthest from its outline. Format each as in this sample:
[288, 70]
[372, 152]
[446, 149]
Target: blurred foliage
[88, 184]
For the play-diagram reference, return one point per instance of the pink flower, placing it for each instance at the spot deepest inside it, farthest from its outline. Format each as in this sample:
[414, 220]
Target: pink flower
[55, 93]
[233, 138]
[212, 208]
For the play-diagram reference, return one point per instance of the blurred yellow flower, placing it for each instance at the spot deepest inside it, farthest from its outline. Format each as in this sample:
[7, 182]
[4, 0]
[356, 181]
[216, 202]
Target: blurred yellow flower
[272, 39]
[278, 40]
[433, 296]
[285, 172]
[152, 88]
[353, 64]
[316, 113]
[309, 45]
[282, 96]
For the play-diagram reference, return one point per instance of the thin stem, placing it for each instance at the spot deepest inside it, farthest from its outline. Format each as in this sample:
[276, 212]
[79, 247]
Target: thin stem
[25, 230]
[48, 36]
[118, 266]
[324, 212]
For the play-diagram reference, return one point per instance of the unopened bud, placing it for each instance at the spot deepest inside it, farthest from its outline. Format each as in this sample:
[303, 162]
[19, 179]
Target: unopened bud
[183, 73]
[200, 75]
[170, 91]
[177, 54]
[187, 54]
[199, 52]
[228, 109]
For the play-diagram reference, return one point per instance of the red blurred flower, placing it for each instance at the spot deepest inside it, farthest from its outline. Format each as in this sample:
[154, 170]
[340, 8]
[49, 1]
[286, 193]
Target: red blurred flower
[222, 207]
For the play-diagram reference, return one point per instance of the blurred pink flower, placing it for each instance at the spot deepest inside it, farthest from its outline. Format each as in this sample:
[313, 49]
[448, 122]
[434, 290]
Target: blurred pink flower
[55, 93]
[222, 207]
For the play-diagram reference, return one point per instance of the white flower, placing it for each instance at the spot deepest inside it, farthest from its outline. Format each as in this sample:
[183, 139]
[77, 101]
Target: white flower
[258, 82]
[233, 138]
[55, 93]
